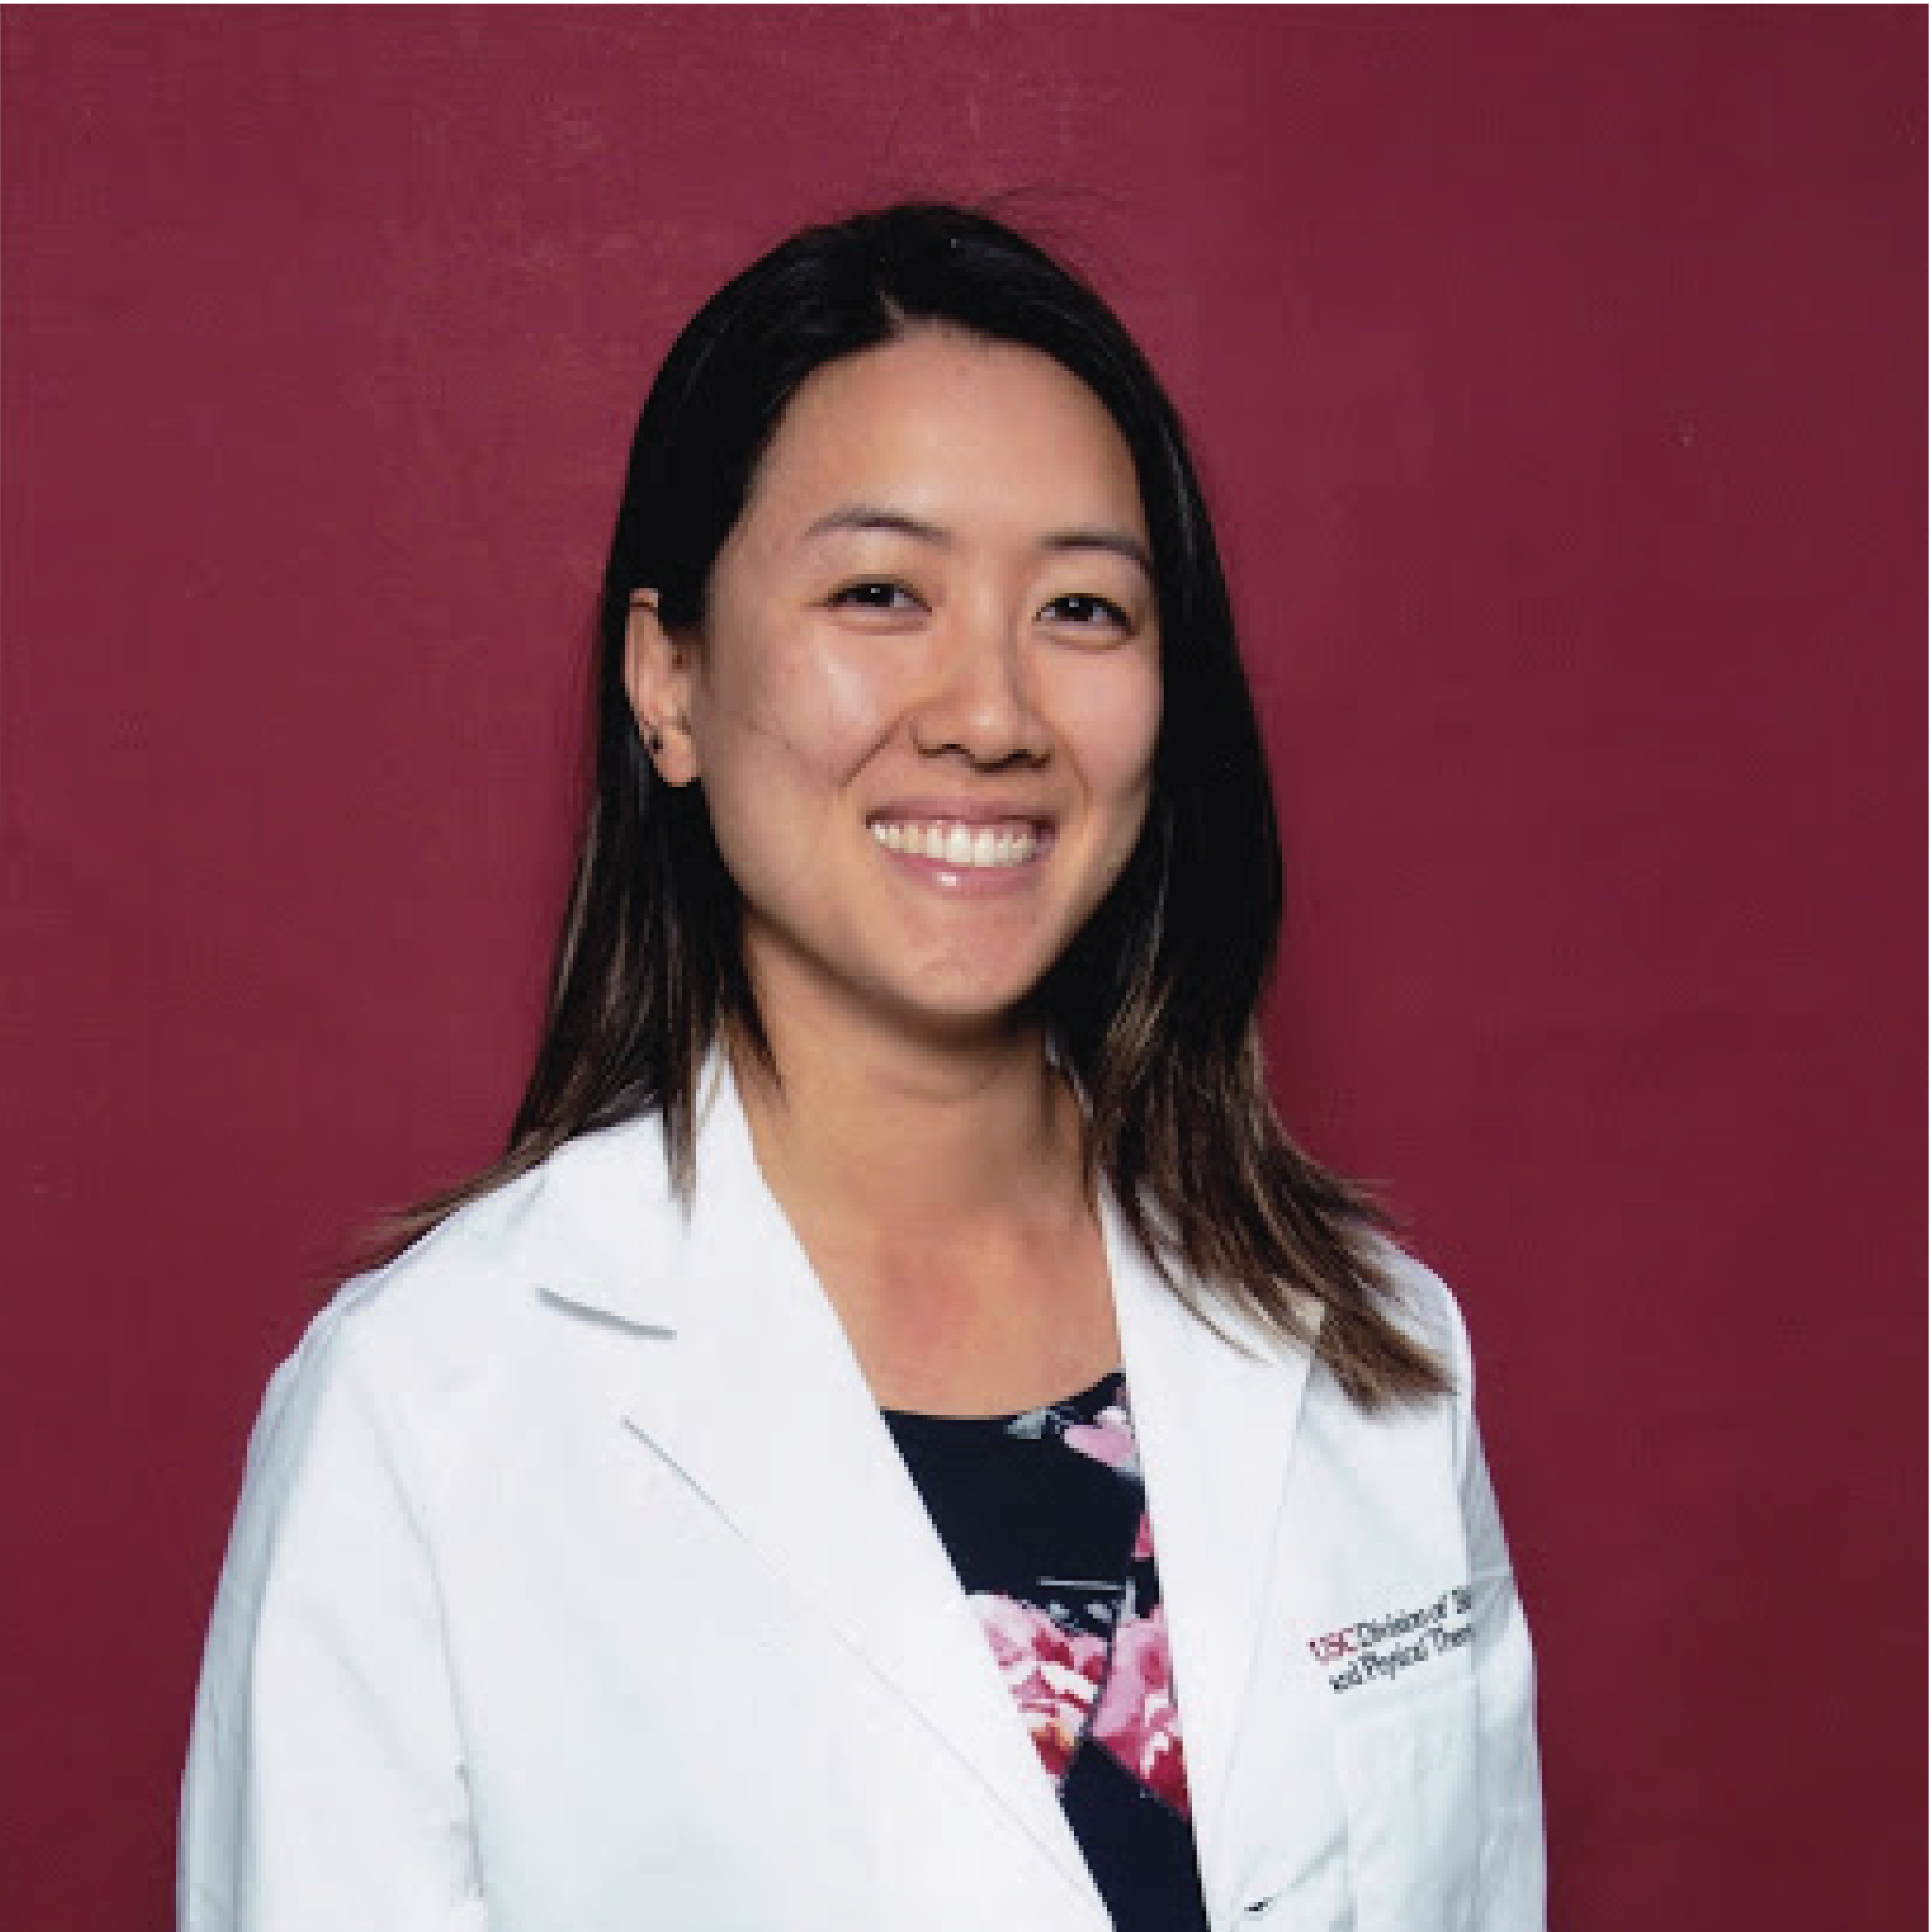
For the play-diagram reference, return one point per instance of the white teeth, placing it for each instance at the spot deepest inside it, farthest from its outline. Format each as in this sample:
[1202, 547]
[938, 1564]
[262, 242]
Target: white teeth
[958, 845]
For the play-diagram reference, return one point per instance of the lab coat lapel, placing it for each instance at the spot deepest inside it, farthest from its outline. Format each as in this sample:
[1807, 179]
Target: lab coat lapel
[748, 1387]
[1215, 1419]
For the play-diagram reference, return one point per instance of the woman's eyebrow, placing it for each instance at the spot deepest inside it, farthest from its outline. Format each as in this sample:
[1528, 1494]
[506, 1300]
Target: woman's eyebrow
[873, 517]
[1119, 542]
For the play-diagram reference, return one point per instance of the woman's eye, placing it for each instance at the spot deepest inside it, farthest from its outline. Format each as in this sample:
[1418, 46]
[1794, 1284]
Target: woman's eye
[874, 595]
[1085, 611]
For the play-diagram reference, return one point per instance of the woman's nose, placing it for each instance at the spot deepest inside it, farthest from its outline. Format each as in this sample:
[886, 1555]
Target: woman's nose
[981, 703]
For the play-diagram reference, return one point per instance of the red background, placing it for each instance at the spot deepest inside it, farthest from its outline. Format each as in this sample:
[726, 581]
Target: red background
[1559, 377]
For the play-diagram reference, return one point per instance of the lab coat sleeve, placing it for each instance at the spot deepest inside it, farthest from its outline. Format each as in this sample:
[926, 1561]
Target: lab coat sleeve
[1510, 1887]
[325, 1785]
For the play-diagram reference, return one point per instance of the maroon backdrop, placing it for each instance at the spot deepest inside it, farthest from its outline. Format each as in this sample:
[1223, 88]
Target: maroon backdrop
[1559, 376]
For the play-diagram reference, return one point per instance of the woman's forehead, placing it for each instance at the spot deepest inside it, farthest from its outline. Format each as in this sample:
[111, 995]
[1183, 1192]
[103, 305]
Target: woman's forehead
[938, 426]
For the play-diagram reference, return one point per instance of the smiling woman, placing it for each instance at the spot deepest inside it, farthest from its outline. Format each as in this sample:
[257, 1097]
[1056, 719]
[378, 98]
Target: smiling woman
[925, 700]
[903, 1437]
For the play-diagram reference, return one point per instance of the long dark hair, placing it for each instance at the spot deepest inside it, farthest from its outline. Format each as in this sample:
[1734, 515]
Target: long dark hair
[1153, 1009]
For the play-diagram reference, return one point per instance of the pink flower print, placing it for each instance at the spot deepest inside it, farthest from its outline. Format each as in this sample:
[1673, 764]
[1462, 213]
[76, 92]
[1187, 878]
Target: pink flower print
[1108, 1438]
[1054, 1674]
[1144, 1540]
[1137, 1721]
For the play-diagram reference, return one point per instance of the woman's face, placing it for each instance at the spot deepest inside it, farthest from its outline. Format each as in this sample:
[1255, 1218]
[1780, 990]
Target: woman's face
[924, 705]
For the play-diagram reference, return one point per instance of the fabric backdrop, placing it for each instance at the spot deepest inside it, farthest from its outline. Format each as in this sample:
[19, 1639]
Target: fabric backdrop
[1559, 377]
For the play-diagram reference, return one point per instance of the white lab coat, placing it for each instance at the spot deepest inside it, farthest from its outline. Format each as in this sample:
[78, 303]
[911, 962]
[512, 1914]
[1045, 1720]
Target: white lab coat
[577, 1586]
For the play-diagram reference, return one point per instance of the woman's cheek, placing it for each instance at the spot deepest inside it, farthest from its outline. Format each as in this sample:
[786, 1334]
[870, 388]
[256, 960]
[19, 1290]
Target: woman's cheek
[1120, 728]
[820, 705]
[848, 691]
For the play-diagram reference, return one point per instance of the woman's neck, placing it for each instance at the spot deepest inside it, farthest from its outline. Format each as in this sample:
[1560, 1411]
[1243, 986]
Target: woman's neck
[889, 1133]
[941, 1197]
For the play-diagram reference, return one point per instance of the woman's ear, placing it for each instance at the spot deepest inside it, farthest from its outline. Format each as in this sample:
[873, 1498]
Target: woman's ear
[657, 680]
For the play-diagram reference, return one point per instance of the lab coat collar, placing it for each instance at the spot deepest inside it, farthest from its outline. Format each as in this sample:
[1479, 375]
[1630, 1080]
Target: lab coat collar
[746, 1385]
[603, 1230]
[756, 1399]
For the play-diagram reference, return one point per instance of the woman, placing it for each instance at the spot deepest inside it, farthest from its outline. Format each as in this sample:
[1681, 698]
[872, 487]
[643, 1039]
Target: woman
[902, 1439]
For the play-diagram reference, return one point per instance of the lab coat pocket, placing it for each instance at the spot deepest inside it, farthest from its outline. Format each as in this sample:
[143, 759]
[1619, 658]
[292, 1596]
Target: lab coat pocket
[1408, 1769]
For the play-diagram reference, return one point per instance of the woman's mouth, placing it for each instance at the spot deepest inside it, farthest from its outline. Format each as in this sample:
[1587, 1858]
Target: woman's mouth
[966, 847]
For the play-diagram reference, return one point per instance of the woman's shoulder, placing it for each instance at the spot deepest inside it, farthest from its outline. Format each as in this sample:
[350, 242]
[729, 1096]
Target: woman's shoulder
[1422, 1303]
[382, 1414]
[457, 1304]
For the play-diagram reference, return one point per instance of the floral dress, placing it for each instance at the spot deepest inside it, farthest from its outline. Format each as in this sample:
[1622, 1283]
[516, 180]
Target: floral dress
[1045, 1519]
